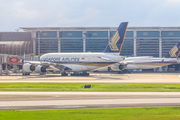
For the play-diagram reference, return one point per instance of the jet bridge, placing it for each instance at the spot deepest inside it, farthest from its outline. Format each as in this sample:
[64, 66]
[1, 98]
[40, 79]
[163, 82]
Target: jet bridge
[13, 62]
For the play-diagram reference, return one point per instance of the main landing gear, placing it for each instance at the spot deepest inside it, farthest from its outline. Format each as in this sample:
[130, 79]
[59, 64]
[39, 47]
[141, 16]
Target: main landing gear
[25, 73]
[80, 74]
[124, 72]
[75, 74]
[64, 74]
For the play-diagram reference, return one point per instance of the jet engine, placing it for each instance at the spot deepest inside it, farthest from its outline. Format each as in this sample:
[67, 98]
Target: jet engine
[109, 69]
[40, 69]
[118, 67]
[121, 67]
[28, 67]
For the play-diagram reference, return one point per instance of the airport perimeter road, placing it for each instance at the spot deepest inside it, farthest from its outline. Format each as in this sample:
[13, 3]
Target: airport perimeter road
[68, 100]
[97, 78]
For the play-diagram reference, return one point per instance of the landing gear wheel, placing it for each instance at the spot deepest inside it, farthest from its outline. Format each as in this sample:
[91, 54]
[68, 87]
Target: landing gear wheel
[24, 74]
[124, 72]
[72, 74]
[75, 74]
[64, 74]
[85, 74]
[79, 74]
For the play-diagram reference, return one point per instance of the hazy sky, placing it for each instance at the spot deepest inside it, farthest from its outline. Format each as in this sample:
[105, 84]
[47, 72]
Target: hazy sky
[87, 13]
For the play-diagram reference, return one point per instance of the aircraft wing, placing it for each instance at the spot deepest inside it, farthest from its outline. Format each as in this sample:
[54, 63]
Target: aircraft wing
[36, 63]
[107, 59]
[126, 62]
[48, 65]
[52, 67]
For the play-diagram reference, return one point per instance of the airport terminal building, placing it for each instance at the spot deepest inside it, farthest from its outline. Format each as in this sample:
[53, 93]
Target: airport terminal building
[139, 41]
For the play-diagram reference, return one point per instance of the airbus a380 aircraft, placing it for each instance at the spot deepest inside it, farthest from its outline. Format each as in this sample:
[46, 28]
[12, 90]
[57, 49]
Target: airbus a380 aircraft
[81, 62]
[148, 62]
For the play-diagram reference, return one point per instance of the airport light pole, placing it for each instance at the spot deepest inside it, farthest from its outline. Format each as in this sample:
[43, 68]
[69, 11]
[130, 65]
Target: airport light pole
[39, 32]
[1, 62]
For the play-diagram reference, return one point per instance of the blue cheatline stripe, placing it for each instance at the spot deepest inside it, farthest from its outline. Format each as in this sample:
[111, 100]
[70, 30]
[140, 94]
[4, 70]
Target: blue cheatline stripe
[86, 62]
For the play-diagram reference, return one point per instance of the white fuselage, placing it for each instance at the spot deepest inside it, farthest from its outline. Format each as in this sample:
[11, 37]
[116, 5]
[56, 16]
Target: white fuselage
[150, 63]
[142, 63]
[82, 61]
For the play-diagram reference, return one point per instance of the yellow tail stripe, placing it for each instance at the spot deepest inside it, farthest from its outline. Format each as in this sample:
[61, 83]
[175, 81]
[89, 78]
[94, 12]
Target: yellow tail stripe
[123, 38]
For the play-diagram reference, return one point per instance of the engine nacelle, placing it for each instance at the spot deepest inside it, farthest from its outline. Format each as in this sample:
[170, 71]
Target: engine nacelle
[109, 69]
[121, 67]
[40, 69]
[117, 67]
[28, 67]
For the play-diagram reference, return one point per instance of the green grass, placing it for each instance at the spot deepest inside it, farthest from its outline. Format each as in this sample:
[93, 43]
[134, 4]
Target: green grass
[153, 113]
[95, 87]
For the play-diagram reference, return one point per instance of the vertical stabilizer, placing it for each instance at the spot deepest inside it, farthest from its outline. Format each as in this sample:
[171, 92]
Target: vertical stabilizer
[174, 52]
[115, 45]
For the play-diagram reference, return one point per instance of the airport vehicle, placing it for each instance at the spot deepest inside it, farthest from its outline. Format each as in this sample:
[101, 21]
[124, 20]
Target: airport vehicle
[80, 63]
[147, 62]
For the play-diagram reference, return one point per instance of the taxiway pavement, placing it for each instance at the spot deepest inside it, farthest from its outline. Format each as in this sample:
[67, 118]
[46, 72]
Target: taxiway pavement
[96, 78]
[69, 100]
